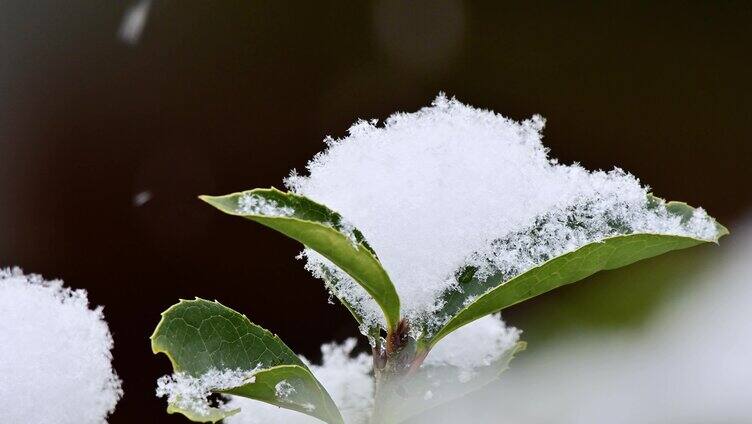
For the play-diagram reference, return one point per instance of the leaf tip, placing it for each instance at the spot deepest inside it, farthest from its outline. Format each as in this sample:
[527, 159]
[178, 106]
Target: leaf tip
[722, 231]
[212, 200]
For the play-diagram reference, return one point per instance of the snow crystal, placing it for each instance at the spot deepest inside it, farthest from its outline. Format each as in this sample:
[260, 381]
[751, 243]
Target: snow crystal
[346, 228]
[283, 389]
[451, 186]
[344, 288]
[346, 378]
[192, 393]
[256, 205]
[475, 345]
[55, 360]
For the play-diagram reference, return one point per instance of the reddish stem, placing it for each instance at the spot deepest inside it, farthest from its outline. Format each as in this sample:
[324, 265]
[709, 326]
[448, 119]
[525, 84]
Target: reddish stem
[417, 361]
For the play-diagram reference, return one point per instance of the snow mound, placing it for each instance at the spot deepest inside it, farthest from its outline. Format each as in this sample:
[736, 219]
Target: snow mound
[451, 186]
[55, 360]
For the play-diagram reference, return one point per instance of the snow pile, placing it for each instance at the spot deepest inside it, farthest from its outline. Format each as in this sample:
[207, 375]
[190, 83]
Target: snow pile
[346, 378]
[450, 186]
[475, 345]
[190, 393]
[55, 360]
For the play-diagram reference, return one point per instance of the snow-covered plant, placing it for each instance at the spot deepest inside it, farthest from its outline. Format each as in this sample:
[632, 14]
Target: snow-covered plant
[424, 228]
[55, 360]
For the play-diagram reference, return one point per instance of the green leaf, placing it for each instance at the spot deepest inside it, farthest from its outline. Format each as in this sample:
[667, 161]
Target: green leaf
[199, 336]
[482, 297]
[322, 230]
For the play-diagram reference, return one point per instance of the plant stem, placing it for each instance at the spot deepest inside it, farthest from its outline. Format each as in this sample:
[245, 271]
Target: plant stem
[400, 358]
[420, 356]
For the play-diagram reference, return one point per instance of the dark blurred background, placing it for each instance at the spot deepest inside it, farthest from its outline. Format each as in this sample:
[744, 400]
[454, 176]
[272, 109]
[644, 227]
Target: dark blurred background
[105, 142]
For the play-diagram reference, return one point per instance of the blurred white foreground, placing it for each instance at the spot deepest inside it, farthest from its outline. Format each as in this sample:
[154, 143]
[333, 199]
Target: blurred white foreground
[693, 364]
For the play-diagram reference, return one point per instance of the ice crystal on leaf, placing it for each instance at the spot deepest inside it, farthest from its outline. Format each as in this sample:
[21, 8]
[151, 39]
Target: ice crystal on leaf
[283, 389]
[191, 393]
[55, 360]
[255, 205]
[452, 186]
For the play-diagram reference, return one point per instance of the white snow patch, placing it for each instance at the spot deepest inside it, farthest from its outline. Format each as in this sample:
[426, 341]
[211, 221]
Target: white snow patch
[192, 393]
[55, 359]
[346, 228]
[345, 288]
[253, 204]
[283, 389]
[450, 186]
[346, 378]
[475, 345]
